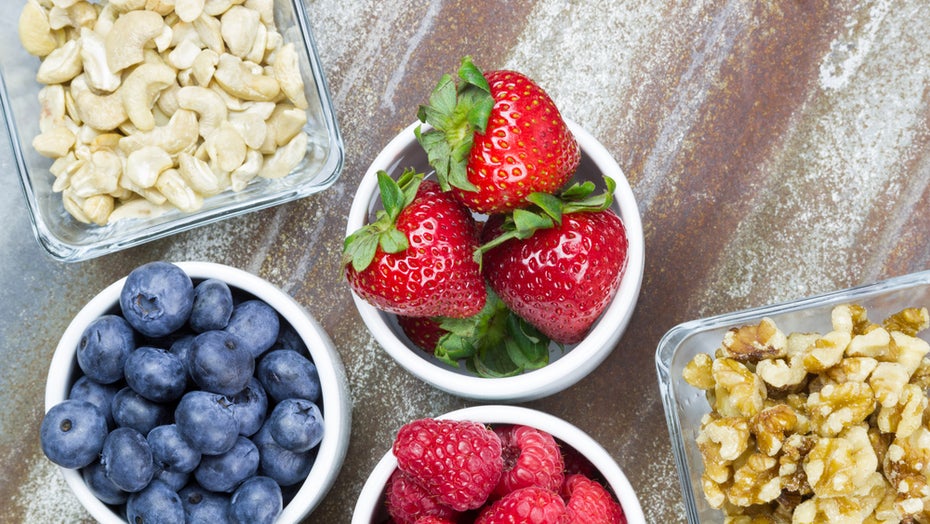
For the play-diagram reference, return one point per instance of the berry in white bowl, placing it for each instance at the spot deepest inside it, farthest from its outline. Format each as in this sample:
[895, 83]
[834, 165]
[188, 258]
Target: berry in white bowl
[170, 435]
[517, 455]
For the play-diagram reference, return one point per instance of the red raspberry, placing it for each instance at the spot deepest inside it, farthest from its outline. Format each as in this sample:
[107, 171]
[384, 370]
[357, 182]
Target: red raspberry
[433, 520]
[458, 462]
[531, 458]
[590, 503]
[575, 462]
[531, 505]
[408, 502]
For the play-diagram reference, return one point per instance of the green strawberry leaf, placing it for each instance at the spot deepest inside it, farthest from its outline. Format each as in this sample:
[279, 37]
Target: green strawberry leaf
[455, 111]
[493, 343]
[360, 248]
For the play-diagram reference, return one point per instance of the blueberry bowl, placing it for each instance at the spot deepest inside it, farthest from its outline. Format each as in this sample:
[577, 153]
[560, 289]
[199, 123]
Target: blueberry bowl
[299, 337]
[371, 505]
[567, 364]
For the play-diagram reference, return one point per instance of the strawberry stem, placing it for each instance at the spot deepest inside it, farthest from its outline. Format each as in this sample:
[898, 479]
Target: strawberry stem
[360, 248]
[547, 211]
[456, 111]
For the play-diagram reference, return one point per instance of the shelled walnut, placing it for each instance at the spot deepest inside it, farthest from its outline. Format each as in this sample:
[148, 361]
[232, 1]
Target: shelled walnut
[809, 427]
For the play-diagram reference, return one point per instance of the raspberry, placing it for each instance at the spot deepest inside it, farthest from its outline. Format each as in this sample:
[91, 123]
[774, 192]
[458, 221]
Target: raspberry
[409, 503]
[575, 462]
[433, 520]
[532, 505]
[590, 503]
[457, 462]
[531, 458]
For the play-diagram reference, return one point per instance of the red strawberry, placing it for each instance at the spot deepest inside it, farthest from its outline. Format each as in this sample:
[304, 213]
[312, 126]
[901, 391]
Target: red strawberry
[531, 505]
[408, 502]
[561, 278]
[497, 137]
[457, 462]
[590, 503]
[416, 259]
[531, 458]
[425, 332]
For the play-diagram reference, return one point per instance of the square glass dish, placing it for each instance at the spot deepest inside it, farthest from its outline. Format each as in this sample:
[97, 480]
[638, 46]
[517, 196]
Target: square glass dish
[69, 240]
[686, 405]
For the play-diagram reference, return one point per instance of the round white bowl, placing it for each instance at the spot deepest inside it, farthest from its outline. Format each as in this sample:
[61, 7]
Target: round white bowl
[370, 507]
[566, 367]
[336, 407]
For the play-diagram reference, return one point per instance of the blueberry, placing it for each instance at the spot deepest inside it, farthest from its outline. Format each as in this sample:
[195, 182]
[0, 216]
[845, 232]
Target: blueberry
[127, 459]
[72, 433]
[213, 305]
[156, 504]
[96, 479]
[181, 348]
[104, 346]
[174, 479]
[289, 339]
[296, 424]
[256, 324]
[202, 506]
[250, 407]
[157, 298]
[224, 472]
[257, 501]
[219, 364]
[156, 374]
[100, 395]
[170, 451]
[287, 468]
[206, 421]
[132, 410]
[288, 374]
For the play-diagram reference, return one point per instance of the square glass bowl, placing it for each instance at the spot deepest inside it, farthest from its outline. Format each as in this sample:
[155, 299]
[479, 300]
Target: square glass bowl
[685, 405]
[69, 240]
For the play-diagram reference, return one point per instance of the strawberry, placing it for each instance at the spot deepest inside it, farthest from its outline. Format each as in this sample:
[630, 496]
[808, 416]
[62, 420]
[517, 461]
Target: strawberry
[457, 462]
[531, 458]
[590, 503]
[425, 332]
[408, 502]
[496, 138]
[416, 258]
[557, 267]
[532, 505]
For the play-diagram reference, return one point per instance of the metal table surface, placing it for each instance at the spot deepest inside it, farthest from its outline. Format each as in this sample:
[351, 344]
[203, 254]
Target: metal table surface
[777, 150]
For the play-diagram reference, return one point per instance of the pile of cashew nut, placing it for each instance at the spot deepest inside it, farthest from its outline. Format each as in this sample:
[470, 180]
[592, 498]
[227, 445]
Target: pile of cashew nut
[149, 105]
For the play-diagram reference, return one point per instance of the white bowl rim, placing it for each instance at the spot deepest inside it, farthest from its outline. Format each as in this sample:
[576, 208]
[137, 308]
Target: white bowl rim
[507, 414]
[581, 360]
[336, 404]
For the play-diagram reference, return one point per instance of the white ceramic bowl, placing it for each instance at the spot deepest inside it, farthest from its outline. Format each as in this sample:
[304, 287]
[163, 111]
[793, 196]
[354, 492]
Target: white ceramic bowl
[335, 397]
[565, 367]
[370, 508]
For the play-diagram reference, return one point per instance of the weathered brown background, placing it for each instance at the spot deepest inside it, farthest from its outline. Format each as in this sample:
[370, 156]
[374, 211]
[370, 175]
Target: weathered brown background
[778, 149]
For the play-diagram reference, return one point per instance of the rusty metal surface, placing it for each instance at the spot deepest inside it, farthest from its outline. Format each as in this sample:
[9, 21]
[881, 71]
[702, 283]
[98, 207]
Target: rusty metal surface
[778, 149]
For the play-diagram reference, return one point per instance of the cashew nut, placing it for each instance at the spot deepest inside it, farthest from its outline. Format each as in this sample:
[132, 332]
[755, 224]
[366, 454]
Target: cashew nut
[210, 32]
[172, 186]
[239, 27]
[139, 90]
[198, 175]
[97, 72]
[249, 169]
[204, 67]
[285, 122]
[285, 159]
[183, 55]
[130, 33]
[54, 143]
[251, 127]
[168, 99]
[52, 101]
[180, 133]
[218, 7]
[287, 73]
[188, 10]
[226, 148]
[105, 20]
[144, 165]
[206, 103]
[162, 7]
[97, 208]
[265, 9]
[124, 6]
[35, 33]
[62, 64]
[97, 176]
[237, 79]
[102, 112]
[77, 15]
[137, 208]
